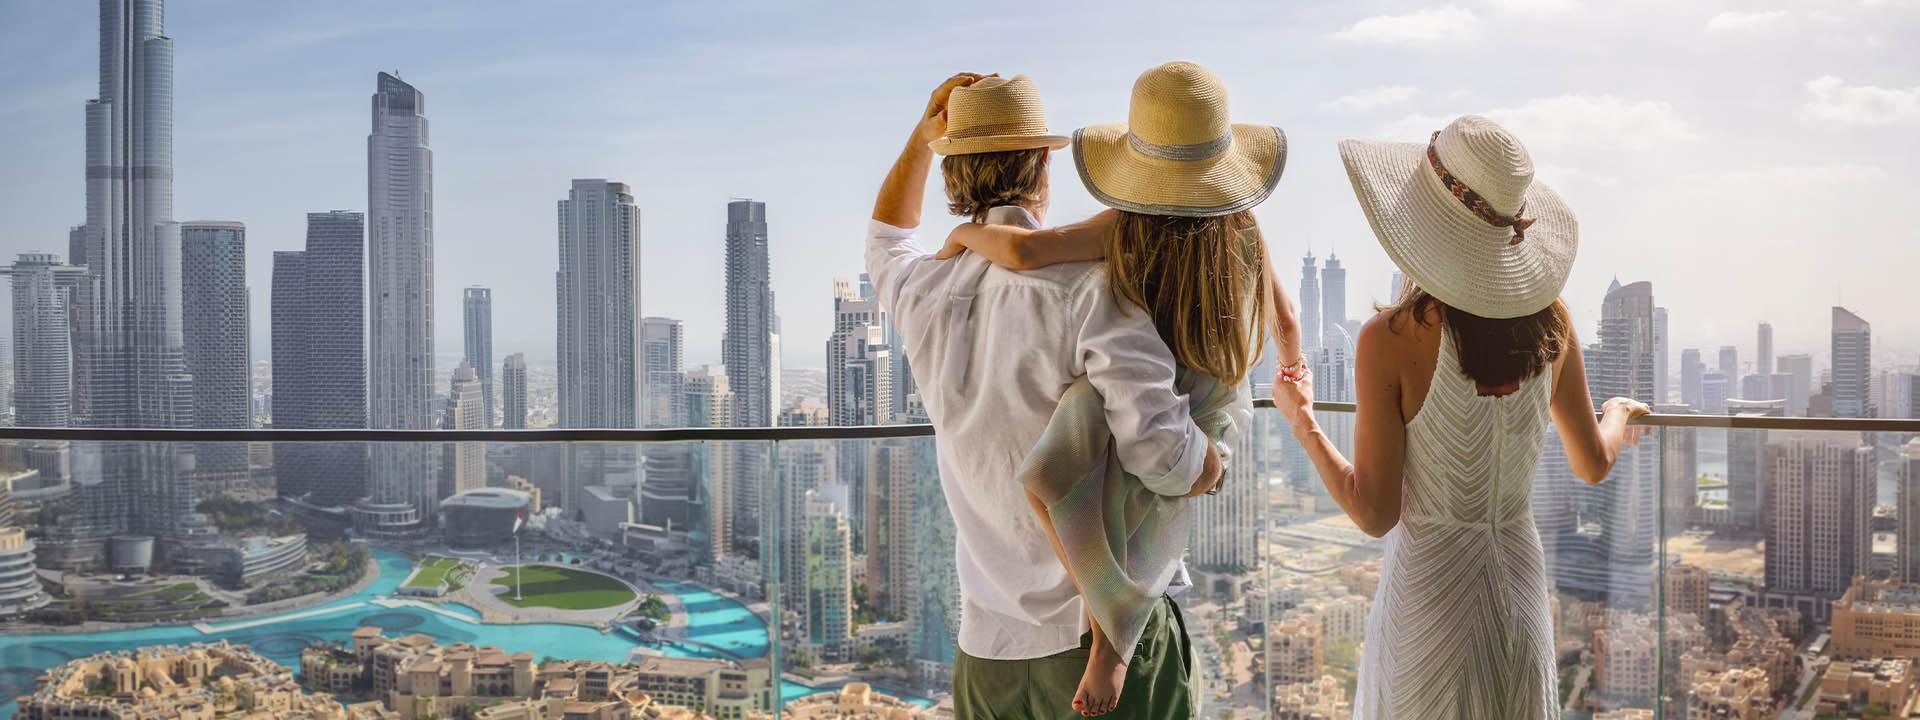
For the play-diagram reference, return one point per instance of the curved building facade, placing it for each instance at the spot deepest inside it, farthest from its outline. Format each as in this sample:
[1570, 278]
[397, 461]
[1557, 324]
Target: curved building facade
[19, 588]
[482, 518]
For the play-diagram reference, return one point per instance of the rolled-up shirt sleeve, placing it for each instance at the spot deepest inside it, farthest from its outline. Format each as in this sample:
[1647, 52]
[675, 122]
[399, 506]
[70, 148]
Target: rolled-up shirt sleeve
[892, 253]
[1125, 359]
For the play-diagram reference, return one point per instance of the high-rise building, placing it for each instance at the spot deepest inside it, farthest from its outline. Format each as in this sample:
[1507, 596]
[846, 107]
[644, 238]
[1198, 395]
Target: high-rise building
[1397, 287]
[1662, 351]
[599, 326]
[513, 392]
[1333, 296]
[663, 360]
[1714, 393]
[1226, 526]
[889, 510]
[1691, 370]
[829, 614]
[1820, 499]
[859, 392]
[1309, 303]
[933, 618]
[747, 349]
[1799, 372]
[400, 386]
[42, 339]
[1621, 365]
[213, 300]
[130, 363]
[805, 466]
[1852, 365]
[1746, 463]
[319, 359]
[478, 304]
[464, 464]
[710, 403]
[1763, 362]
[1908, 565]
[1730, 369]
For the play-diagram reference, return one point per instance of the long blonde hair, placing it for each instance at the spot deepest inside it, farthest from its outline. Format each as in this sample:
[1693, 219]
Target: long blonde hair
[1204, 281]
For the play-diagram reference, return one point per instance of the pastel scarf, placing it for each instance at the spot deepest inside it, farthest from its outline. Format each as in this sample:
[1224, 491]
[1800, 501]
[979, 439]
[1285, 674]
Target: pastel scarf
[1123, 542]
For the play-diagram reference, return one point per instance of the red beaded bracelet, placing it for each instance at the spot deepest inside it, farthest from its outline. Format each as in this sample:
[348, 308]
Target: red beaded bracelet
[1294, 373]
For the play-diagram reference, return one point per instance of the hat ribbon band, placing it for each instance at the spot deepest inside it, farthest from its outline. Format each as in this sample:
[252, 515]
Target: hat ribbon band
[1474, 202]
[1181, 153]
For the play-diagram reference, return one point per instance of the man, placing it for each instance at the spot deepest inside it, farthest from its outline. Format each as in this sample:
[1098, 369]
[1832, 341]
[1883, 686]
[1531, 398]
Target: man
[993, 350]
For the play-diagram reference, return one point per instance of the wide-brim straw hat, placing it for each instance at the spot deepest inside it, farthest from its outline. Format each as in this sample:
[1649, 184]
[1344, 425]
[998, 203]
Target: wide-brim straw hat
[996, 114]
[1178, 153]
[1492, 242]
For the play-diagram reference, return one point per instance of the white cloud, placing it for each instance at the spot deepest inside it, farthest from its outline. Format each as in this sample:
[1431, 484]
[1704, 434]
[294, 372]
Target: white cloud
[1573, 121]
[1370, 99]
[1834, 102]
[1734, 20]
[1415, 28]
[1535, 7]
[1830, 177]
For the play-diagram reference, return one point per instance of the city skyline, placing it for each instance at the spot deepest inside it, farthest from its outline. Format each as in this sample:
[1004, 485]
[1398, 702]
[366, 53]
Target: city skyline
[1683, 139]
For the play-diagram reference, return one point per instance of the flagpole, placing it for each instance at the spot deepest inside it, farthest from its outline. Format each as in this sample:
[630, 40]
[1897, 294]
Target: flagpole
[519, 571]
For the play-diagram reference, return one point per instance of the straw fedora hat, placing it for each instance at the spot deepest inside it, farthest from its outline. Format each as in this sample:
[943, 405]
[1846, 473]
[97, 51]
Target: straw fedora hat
[1462, 216]
[996, 114]
[1177, 153]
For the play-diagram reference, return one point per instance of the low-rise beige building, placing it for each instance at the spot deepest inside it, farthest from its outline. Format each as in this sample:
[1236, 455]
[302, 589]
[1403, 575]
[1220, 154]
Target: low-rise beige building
[1877, 620]
[1735, 694]
[1850, 685]
[1322, 699]
[1298, 651]
[854, 701]
[190, 682]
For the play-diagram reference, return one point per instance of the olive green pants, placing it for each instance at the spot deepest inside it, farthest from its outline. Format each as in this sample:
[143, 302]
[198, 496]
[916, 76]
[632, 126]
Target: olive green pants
[1159, 679]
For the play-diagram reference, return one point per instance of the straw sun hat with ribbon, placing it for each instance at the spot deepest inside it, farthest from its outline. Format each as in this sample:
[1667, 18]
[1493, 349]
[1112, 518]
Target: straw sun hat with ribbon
[1178, 153]
[1462, 216]
[996, 114]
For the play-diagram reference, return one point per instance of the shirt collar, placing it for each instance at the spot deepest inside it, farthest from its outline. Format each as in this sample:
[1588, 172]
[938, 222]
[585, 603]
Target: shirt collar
[1012, 215]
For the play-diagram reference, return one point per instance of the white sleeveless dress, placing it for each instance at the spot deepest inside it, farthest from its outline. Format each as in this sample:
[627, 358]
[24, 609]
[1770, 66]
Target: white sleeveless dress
[1460, 628]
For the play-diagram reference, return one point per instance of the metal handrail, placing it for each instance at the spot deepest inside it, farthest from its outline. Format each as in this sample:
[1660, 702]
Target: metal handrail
[737, 434]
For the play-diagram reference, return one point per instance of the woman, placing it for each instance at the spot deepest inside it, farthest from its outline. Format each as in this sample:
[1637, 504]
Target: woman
[1182, 246]
[1455, 384]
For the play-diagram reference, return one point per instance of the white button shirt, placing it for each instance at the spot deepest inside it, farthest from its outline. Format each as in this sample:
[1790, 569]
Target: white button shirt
[993, 349]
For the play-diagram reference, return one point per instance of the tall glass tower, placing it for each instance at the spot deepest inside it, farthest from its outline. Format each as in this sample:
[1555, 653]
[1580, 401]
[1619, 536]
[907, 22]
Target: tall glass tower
[399, 306]
[214, 298]
[479, 341]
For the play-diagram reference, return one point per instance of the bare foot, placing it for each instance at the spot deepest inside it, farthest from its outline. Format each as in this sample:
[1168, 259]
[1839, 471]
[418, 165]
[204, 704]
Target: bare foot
[1099, 691]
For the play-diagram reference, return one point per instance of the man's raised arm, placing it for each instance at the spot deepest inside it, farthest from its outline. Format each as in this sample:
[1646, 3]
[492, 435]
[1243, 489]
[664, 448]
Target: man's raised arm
[905, 189]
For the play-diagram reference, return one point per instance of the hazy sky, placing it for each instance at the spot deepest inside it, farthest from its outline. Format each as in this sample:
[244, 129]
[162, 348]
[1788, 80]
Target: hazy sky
[1754, 162]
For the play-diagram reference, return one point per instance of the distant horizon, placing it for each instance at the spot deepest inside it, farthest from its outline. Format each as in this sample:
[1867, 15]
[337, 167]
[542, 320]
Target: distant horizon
[1778, 126]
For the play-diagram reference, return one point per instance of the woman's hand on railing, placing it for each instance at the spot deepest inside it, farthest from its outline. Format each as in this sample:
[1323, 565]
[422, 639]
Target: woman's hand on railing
[1626, 409]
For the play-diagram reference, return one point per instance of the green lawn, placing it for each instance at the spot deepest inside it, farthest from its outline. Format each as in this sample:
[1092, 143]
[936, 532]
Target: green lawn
[432, 570]
[564, 588]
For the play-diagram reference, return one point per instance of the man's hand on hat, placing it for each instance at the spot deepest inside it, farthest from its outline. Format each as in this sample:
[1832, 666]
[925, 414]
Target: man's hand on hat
[933, 122]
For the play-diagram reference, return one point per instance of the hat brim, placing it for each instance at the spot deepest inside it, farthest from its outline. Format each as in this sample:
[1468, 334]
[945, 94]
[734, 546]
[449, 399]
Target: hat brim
[1235, 180]
[1452, 253]
[996, 143]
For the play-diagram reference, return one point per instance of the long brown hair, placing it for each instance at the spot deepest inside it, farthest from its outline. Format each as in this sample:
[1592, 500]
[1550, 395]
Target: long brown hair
[1492, 352]
[1204, 281]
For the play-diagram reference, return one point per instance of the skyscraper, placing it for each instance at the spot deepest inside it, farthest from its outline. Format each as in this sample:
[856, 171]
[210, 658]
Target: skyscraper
[1908, 569]
[464, 464]
[1799, 372]
[859, 392]
[1715, 390]
[599, 325]
[1763, 362]
[1691, 370]
[747, 349]
[1333, 296]
[42, 349]
[213, 299]
[1730, 369]
[710, 491]
[130, 363]
[1820, 500]
[1226, 526]
[319, 359]
[400, 386]
[663, 360]
[1852, 364]
[1746, 468]
[513, 392]
[1626, 506]
[1662, 352]
[1309, 303]
[829, 614]
[479, 341]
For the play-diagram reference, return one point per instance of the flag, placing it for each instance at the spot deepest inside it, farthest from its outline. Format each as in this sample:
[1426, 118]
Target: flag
[516, 521]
